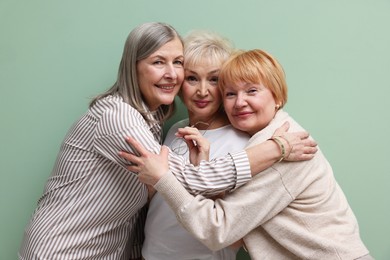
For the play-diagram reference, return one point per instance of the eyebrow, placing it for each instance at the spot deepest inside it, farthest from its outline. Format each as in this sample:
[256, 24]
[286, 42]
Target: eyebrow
[158, 56]
[194, 72]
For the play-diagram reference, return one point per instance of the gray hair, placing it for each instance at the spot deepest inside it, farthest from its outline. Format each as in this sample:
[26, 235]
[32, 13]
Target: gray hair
[141, 42]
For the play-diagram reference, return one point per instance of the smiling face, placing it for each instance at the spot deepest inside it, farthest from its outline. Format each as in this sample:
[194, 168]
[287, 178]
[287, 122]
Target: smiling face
[200, 91]
[249, 107]
[161, 74]
[254, 88]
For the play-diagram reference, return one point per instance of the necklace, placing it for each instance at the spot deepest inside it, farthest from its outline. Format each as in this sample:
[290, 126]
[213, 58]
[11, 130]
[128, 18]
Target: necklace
[178, 144]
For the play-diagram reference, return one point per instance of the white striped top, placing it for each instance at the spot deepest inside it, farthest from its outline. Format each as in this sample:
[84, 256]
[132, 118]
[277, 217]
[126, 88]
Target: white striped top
[92, 206]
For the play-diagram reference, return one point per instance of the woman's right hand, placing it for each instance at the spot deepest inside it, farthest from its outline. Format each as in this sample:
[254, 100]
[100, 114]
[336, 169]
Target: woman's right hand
[149, 167]
[298, 145]
[198, 145]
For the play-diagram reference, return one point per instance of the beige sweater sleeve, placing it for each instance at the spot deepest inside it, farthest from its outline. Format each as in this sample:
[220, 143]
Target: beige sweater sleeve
[220, 223]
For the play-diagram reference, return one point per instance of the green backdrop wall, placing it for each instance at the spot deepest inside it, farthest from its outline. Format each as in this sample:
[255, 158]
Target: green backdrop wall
[55, 55]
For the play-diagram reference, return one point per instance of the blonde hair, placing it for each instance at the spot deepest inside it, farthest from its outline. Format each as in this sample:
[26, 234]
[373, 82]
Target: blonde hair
[200, 45]
[257, 67]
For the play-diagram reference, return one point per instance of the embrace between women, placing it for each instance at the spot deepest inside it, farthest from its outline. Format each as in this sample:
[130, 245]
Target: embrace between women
[94, 205]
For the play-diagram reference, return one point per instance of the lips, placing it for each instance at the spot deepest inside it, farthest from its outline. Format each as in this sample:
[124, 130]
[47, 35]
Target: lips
[167, 88]
[243, 114]
[201, 103]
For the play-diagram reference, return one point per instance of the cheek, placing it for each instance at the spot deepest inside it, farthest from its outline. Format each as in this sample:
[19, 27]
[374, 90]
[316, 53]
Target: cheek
[185, 90]
[216, 94]
[141, 85]
[180, 76]
[268, 112]
[143, 82]
[228, 106]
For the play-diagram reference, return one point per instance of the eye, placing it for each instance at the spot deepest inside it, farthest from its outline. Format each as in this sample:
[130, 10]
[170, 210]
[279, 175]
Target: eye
[178, 62]
[191, 79]
[213, 80]
[158, 62]
[252, 91]
[229, 94]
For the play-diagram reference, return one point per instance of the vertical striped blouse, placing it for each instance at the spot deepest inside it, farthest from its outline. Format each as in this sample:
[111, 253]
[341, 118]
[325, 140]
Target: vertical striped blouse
[92, 206]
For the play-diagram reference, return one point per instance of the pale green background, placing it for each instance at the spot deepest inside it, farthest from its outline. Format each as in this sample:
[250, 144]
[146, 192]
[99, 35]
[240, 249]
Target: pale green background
[55, 55]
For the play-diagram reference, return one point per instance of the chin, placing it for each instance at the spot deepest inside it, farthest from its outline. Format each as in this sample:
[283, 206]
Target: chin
[167, 101]
[241, 127]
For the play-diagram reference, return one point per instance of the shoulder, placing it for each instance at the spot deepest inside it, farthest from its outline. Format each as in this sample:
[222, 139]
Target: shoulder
[112, 111]
[280, 118]
[227, 132]
[231, 131]
[181, 123]
[226, 139]
[173, 129]
[114, 106]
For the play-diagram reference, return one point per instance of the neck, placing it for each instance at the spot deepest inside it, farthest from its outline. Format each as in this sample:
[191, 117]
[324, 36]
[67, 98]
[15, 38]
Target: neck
[216, 121]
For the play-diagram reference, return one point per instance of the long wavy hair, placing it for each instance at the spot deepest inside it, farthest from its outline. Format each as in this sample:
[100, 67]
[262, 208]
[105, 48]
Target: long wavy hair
[141, 43]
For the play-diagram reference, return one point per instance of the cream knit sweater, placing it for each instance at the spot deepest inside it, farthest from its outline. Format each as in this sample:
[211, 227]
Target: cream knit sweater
[293, 210]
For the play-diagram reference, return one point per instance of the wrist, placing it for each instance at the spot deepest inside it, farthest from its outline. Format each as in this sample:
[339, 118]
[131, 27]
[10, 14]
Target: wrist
[281, 147]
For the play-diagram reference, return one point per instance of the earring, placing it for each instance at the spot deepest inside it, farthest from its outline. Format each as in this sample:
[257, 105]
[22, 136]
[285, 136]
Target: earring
[277, 107]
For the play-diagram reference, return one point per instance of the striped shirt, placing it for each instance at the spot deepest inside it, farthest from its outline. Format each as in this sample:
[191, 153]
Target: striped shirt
[92, 206]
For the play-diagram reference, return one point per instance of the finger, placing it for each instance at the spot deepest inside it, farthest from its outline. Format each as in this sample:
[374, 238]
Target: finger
[137, 147]
[134, 159]
[199, 140]
[303, 135]
[282, 129]
[285, 126]
[309, 143]
[189, 143]
[194, 137]
[307, 157]
[187, 131]
[164, 151]
[312, 143]
[310, 150]
[133, 168]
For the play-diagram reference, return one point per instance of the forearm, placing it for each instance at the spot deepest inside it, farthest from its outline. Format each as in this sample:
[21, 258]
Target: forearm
[203, 226]
[262, 156]
[212, 177]
[220, 223]
[217, 224]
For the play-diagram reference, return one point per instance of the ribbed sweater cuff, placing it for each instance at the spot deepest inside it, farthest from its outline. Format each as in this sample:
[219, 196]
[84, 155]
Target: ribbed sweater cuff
[173, 192]
[243, 170]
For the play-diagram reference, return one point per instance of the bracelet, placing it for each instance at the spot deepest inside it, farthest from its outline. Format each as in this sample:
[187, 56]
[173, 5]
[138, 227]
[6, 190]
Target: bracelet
[281, 147]
[289, 145]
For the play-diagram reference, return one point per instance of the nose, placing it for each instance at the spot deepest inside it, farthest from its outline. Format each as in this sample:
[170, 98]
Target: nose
[170, 71]
[240, 101]
[202, 88]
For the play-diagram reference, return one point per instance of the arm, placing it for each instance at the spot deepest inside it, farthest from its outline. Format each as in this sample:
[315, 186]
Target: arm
[298, 145]
[209, 178]
[220, 223]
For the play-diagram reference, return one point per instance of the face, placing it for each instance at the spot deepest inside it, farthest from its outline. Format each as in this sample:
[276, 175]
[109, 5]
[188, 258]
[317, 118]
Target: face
[200, 91]
[161, 74]
[249, 107]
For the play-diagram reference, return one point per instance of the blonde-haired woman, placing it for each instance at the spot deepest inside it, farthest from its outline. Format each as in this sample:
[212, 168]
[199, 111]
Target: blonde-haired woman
[204, 54]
